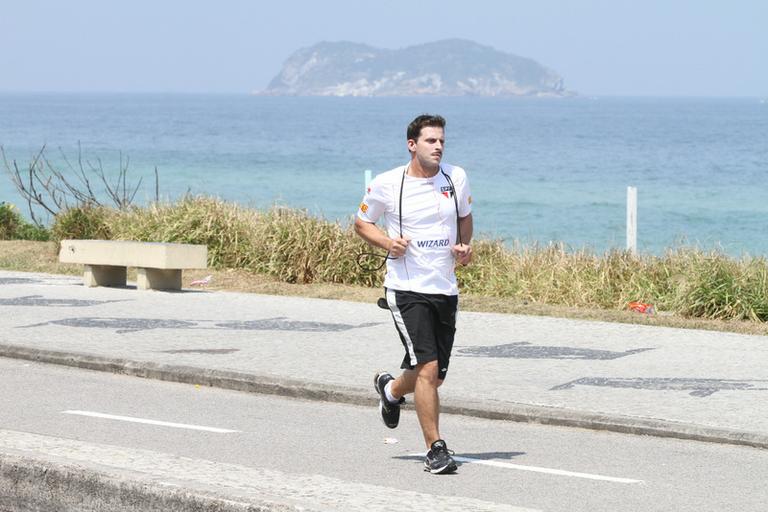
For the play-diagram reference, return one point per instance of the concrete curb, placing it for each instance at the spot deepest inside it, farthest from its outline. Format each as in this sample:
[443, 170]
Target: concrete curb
[39, 472]
[309, 390]
[33, 484]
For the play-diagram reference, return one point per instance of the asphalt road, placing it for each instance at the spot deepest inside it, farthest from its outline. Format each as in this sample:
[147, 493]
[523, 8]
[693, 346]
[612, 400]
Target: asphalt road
[533, 466]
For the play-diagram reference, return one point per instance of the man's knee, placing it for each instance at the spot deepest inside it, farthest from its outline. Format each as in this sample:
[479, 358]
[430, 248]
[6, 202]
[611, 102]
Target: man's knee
[427, 373]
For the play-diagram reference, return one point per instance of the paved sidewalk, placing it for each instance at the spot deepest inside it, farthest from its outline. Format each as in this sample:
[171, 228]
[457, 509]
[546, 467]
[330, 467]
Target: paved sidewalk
[630, 378]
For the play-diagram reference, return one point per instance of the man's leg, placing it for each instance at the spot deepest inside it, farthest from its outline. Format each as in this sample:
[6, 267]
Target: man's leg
[405, 384]
[423, 382]
[427, 401]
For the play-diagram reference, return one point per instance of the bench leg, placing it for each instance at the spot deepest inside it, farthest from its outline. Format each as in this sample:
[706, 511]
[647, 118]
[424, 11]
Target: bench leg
[158, 279]
[104, 275]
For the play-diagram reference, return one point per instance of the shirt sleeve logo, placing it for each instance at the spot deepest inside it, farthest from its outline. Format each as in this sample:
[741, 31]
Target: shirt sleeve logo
[363, 207]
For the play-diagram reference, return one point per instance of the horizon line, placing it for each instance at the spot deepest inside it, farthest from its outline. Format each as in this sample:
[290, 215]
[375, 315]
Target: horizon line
[255, 94]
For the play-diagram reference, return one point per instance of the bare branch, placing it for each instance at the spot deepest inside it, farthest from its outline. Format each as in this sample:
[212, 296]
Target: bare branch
[45, 186]
[129, 200]
[82, 196]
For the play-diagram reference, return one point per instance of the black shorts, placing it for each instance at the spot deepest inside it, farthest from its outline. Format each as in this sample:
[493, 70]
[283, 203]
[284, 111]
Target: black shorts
[426, 323]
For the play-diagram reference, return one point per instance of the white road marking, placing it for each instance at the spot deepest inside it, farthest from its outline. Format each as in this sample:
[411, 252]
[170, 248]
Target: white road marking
[150, 422]
[535, 469]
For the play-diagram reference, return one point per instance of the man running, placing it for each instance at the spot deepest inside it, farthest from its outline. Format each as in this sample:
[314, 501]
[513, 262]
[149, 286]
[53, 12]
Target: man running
[427, 211]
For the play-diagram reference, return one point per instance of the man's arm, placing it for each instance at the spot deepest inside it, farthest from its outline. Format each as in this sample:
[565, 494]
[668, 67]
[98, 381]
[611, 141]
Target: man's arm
[466, 226]
[375, 237]
[463, 251]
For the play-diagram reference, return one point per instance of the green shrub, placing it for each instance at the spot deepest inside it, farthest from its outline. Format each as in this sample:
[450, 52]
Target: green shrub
[82, 223]
[29, 231]
[14, 227]
[686, 281]
[285, 243]
[9, 221]
[712, 285]
[225, 228]
[296, 247]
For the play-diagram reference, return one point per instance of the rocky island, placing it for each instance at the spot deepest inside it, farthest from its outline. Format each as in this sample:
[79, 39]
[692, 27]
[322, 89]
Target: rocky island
[452, 67]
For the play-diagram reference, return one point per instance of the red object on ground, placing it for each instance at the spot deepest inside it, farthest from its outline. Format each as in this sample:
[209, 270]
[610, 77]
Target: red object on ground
[642, 307]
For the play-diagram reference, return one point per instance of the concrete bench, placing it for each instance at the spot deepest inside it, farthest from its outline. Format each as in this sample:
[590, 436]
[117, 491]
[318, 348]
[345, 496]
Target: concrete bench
[158, 265]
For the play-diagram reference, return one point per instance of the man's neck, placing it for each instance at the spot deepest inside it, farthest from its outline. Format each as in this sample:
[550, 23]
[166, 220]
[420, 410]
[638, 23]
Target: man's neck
[416, 170]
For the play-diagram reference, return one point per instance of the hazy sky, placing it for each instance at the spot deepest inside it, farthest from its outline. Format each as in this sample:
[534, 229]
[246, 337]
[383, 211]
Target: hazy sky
[617, 47]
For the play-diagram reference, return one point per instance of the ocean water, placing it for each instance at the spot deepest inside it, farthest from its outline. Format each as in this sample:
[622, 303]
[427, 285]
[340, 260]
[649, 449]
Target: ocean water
[541, 170]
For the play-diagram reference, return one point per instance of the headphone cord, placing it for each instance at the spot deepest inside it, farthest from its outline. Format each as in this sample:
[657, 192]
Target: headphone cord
[400, 217]
[455, 202]
[386, 256]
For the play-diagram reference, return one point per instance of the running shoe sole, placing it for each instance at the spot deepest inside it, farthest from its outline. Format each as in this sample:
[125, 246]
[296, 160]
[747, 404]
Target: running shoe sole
[448, 468]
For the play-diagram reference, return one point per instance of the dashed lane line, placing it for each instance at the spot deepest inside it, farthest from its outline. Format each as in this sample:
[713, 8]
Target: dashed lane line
[150, 422]
[536, 469]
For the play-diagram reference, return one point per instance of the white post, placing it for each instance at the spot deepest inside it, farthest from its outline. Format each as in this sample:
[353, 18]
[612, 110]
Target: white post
[367, 179]
[632, 220]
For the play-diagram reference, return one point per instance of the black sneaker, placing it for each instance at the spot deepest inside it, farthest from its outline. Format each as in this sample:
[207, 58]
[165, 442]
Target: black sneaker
[439, 459]
[390, 413]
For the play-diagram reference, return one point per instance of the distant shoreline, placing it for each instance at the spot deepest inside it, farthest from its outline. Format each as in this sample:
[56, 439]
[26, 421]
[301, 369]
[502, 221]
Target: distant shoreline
[255, 93]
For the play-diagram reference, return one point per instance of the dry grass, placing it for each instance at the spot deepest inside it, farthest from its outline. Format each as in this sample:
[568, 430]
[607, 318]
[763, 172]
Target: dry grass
[27, 256]
[294, 247]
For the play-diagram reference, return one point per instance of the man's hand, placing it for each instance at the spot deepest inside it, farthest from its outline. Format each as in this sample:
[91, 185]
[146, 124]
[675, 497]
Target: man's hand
[398, 247]
[462, 253]
[377, 238]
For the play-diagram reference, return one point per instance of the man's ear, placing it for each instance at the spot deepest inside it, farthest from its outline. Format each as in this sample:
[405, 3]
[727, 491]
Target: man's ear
[411, 145]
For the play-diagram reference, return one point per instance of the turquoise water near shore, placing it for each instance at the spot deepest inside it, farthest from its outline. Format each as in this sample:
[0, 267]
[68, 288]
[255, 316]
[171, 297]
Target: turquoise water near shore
[541, 169]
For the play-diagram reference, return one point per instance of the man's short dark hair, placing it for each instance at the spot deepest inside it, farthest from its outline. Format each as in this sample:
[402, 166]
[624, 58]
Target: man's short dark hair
[414, 129]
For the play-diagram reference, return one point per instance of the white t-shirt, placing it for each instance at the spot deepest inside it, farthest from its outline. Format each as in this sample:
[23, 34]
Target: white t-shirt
[429, 221]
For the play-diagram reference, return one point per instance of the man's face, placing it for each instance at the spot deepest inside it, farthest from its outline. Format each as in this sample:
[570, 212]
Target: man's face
[428, 148]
